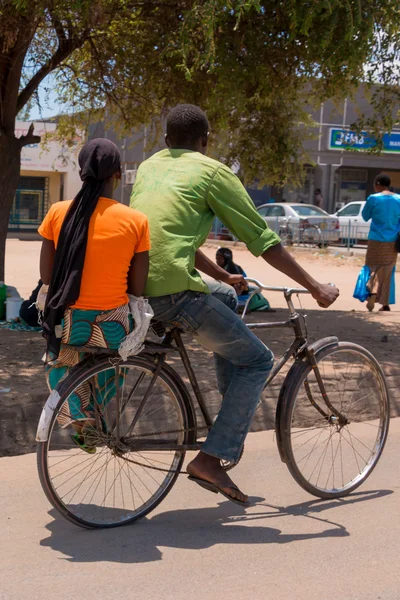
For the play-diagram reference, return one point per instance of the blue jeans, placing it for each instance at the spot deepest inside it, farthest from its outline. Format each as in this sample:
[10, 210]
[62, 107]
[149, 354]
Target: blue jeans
[242, 361]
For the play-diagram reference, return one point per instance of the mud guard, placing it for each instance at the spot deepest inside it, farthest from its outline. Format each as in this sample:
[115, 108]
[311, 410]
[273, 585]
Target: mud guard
[52, 401]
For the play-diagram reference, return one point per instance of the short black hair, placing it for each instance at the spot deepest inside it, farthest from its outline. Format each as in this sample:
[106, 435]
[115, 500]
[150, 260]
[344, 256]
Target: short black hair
[383, 180]
[186, 124]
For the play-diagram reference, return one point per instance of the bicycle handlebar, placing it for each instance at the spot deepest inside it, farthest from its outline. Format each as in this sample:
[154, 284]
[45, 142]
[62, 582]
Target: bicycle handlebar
[271, 288]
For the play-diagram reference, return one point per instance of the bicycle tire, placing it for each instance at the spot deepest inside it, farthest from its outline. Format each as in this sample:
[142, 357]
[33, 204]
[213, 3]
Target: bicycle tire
[78, 375]
[288, 433]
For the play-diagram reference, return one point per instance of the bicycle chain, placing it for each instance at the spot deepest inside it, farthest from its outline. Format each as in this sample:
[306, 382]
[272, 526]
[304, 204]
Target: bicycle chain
[146, 466]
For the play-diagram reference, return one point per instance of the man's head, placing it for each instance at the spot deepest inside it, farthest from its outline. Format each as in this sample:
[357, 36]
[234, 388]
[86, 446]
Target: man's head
[382, 182]
[187, 128]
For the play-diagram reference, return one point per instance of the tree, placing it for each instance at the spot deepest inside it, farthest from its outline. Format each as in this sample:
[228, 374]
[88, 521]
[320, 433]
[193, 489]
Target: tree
[252, 65]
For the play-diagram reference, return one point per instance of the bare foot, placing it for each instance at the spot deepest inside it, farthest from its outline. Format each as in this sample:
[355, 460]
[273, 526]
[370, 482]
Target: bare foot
[209, 468]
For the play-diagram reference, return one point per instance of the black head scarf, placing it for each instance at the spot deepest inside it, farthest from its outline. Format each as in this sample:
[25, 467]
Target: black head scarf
[98, 160]
[229, 265]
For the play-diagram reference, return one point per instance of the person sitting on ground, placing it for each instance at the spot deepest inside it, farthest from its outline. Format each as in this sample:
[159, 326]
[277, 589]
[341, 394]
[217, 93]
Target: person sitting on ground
[224, 259]
[181, 191]
[28, 311]
[95, 252]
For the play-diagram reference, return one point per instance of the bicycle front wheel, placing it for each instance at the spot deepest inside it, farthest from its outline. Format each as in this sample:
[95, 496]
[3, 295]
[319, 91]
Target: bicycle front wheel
[332, 452]
[115, 471]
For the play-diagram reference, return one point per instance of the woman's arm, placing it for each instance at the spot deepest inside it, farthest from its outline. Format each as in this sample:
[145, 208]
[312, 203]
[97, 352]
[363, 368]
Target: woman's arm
[366, 211]
[138, 271]
[47, 254]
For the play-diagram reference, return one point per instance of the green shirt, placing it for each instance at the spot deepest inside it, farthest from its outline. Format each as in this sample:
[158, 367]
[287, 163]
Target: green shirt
[181, 191]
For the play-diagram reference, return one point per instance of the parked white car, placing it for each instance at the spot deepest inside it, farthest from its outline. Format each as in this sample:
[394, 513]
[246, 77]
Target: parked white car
[352, 225]
[297, 222]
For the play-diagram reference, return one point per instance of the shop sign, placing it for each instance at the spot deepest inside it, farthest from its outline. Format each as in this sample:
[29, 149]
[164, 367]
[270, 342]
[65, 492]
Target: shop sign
[344, 139]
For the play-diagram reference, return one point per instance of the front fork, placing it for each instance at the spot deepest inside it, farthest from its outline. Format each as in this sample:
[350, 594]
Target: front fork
[336, 417]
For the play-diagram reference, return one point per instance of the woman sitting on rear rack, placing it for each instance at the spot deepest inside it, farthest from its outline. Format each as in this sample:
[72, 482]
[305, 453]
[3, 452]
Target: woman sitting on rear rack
[94, 252]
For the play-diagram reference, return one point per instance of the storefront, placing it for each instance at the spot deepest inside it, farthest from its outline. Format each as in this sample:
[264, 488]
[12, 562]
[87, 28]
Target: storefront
[355, 184]
[49, 173]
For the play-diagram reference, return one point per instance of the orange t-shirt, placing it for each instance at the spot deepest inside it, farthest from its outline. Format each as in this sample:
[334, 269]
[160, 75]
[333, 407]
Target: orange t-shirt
[116, 233]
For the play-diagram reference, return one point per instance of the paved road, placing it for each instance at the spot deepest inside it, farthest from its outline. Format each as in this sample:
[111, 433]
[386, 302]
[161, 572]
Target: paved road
[285, 546]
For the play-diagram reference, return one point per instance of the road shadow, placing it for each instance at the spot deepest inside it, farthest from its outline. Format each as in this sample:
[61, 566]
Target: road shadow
[198, 529]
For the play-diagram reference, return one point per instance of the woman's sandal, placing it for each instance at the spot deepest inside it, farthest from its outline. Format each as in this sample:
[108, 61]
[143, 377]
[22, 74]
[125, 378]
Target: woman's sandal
[79, 440]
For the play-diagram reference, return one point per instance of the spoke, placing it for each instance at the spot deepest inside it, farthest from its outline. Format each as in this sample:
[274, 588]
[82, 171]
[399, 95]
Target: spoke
[61, 461]
[323, 458]
[304, 443]
[122, 489]
[333, 465]
[303, 431]
[134, 474]
[104, 473]
[355, 452]
[358, 439]
[86, 477]
[112, 486]
[71, 490]
[341, 459]
[70, 469]
[94, 481]
[163, 474]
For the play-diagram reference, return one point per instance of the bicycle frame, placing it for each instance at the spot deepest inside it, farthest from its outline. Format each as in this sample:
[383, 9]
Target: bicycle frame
[299, 346]
[299, 343]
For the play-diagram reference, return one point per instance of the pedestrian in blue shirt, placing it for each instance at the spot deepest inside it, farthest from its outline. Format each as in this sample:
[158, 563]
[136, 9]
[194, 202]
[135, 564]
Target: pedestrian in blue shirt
[384, 210]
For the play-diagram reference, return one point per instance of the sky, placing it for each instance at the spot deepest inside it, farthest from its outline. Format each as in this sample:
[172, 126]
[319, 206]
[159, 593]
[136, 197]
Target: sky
[49, 106]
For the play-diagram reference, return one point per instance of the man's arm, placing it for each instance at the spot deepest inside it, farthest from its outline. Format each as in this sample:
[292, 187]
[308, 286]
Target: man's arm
[280, 259]
[207, 266]
[229, 200]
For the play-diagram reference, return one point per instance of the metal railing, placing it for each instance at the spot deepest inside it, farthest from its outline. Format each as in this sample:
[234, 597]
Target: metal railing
[295, 234]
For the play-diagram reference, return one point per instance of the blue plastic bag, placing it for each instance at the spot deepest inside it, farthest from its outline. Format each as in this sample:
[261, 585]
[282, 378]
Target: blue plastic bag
[392, 297]
[361, 291]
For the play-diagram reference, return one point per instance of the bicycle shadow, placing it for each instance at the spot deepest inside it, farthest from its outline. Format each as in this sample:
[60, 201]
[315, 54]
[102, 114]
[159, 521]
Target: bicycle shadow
[196, 529]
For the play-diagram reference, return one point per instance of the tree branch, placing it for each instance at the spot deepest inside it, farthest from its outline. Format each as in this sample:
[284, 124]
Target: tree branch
[29, 138]
[66, 47]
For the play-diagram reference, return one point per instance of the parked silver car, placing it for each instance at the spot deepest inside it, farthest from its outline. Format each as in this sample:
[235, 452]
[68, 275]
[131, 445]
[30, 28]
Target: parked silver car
[352, 226]
[301, 222]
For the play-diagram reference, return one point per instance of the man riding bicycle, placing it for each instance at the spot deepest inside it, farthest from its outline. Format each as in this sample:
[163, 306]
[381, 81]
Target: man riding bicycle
[181, 190]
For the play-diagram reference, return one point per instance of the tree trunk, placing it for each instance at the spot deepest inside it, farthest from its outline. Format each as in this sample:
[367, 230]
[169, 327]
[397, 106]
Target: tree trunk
[10, 161]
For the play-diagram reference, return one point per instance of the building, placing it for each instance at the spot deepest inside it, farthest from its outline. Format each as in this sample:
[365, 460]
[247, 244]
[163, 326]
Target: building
[341, 165]
[49, 173]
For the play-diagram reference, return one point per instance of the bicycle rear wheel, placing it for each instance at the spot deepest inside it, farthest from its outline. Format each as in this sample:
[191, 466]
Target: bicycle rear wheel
[331, 455]
[99, 483]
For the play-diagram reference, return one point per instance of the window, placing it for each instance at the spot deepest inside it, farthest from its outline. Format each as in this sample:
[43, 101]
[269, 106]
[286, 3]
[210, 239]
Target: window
[263, 211]
[352, 175]
[352, 210]
[277, 211]
[273, 210]
[306, 210]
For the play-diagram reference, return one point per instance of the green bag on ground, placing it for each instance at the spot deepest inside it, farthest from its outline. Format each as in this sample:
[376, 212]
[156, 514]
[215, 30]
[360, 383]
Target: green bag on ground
[259, 302]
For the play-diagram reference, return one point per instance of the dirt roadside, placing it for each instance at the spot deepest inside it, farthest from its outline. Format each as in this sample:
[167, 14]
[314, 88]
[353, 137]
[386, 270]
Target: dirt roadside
[21, 370]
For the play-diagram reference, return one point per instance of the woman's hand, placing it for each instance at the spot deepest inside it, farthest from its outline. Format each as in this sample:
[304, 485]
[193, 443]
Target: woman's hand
[236, 281]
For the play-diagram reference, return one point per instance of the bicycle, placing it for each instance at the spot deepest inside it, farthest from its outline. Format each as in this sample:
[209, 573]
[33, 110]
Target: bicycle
[332, 421]
[309, 236]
